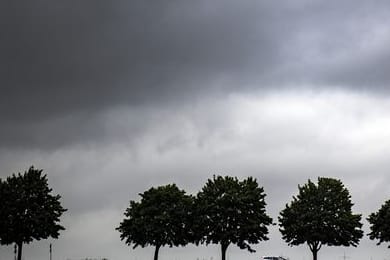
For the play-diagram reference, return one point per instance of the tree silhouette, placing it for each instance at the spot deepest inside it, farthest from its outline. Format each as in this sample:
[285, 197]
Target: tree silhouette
[230, 211]
[161, 218]
[321, 215]
[28, 210]
[380, 224]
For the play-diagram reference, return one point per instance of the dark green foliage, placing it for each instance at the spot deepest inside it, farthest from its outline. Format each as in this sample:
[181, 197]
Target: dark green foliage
[230, 211]
[28, 210]
[380, 224]
[321, 215]
[161, 218]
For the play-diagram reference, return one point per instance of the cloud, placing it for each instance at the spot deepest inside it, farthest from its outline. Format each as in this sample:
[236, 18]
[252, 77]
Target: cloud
[63, 65]
[60, 59]
[281, 138]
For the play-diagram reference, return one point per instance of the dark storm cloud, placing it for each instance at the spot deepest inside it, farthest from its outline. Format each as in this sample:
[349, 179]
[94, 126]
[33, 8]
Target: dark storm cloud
[63, 63]
[91, 54]
[71, 60]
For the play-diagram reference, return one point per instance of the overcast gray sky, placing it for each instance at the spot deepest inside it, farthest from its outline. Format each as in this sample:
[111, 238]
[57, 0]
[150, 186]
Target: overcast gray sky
[113, 97]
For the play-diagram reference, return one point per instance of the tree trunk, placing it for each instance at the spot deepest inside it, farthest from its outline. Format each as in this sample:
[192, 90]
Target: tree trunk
[314, 248]
[20, 245]
[156, 252]
[224, 247]
[315, 251]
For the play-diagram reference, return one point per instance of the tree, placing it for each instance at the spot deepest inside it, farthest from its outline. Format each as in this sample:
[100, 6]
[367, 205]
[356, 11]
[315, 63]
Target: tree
[161, 218]
[28, 210]
[321, 215]
[230, 211]
[380, 224]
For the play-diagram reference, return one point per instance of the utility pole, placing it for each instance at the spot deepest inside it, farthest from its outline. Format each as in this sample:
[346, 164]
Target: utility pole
[345, 257]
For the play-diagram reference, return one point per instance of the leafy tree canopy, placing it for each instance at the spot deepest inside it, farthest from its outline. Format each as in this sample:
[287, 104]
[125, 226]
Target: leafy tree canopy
[230, 211]
[161, 218]
[380, 224]
[321, 215]
[28, 210]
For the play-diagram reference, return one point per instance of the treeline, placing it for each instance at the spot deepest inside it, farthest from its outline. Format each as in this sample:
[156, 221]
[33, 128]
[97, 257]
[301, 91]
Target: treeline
[226, 211]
